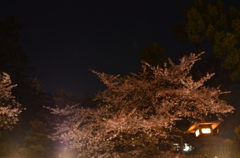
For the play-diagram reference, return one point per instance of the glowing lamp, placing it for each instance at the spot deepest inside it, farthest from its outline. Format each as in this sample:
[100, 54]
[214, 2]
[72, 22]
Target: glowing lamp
[206, 130]
[203, 128]
[197, 132]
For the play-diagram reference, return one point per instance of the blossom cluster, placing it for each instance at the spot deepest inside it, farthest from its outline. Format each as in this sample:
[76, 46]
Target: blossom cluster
[9, 107]
[139, 110]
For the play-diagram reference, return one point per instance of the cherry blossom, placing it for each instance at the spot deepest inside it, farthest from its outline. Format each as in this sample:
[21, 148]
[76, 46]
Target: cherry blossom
[9, 107]
[139, 105]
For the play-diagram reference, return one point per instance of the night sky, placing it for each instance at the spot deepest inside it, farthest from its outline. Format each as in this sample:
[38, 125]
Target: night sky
[64, 39]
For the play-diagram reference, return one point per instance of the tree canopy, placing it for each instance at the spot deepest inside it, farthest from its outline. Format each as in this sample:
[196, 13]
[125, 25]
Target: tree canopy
[153, 55]
[12, 59]
[141, 105]
[210, 27]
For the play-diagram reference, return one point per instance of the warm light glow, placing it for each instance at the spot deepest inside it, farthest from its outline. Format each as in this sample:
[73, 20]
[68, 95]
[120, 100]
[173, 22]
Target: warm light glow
[187, 147]
[206, 130]
[197, 133]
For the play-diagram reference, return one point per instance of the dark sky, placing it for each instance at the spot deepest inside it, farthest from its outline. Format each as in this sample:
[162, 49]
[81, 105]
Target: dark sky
[64, 39]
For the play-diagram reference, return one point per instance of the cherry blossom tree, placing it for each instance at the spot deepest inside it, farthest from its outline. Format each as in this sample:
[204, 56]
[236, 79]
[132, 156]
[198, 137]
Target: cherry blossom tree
[9, 107]
[138, 112]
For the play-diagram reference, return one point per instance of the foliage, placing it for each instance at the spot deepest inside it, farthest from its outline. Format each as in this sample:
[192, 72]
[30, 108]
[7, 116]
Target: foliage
[153, 55]
[15, 62]
[209, 25]
[145, 104]
[29, 93]
[12, 59]
[33, 123]
[63, 98]
[9, 107]
[87, 100]
[38, 144]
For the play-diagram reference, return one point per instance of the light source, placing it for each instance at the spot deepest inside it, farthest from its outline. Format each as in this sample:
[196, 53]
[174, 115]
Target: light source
[206, 130]
[197, 132]
[203, 128]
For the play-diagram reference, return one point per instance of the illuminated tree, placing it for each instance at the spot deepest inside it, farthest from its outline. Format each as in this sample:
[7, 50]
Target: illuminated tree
[138, 112]
[9, 107]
